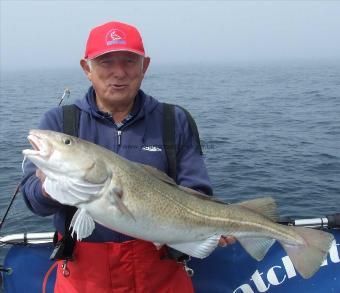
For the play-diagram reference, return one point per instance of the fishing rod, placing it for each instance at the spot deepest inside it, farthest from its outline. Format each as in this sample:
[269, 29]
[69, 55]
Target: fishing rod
[66, 95]
[10, 205]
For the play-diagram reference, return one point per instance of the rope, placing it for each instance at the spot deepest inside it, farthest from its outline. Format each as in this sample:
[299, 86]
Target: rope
[47, 275]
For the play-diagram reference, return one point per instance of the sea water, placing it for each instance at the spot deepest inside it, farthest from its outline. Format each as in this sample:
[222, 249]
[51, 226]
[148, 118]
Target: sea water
[266, 129]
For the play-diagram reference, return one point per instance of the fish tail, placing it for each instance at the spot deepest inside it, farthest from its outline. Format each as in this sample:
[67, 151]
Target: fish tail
[308, 257]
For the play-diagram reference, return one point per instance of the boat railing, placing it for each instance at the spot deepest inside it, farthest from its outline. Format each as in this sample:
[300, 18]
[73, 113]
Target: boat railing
[27, 238]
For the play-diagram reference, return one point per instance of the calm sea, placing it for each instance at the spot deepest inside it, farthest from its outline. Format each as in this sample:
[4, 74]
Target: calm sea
[268, 130]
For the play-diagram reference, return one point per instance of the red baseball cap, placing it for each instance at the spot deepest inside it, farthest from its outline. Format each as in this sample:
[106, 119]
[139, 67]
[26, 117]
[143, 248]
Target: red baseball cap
[113, 36]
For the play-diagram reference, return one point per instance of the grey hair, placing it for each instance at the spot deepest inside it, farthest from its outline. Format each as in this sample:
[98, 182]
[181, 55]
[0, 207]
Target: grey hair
[89, 62]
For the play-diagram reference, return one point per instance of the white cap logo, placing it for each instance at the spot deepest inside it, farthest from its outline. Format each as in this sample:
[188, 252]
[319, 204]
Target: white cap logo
[115, 36]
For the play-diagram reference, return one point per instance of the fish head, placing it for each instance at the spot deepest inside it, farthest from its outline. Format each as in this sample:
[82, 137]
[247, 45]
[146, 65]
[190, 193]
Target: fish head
[58, 154]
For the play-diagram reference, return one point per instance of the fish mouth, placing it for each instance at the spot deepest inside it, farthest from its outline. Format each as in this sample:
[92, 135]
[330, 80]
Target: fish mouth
[40, 146]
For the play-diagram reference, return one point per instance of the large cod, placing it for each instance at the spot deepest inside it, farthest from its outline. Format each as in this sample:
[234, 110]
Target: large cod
[142, 202]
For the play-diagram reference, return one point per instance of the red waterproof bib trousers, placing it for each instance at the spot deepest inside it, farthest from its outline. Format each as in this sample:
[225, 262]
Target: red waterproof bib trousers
[130, 267]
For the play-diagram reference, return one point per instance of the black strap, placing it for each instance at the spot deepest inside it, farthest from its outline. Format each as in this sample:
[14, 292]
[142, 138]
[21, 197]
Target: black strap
[64, 247]
[169, 140]
[71, 115]
[194, 129]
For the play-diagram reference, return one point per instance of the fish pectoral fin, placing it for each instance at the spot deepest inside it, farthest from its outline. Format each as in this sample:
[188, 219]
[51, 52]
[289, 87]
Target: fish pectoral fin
[256, 247]
[115, 197]
[82, 224]
[199, 249]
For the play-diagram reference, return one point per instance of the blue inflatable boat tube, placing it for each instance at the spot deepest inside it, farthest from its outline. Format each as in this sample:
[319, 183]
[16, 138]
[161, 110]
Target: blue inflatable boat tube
[228, 269]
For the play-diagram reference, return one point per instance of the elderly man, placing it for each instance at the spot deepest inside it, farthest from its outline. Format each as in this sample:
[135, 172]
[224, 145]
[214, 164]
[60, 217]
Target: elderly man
[117, 114]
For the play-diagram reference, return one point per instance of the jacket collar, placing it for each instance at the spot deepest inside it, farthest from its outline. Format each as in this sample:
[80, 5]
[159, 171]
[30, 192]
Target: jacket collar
[143, 103]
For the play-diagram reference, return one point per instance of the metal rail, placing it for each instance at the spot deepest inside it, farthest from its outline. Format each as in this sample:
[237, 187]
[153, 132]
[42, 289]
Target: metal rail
[27, 238]
[328, 222]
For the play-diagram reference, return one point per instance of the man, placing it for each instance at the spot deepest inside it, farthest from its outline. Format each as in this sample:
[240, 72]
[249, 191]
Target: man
[117, 114]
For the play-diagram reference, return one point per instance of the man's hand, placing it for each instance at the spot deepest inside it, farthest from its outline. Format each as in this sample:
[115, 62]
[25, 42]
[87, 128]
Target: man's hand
[42, 178]
[226, 240]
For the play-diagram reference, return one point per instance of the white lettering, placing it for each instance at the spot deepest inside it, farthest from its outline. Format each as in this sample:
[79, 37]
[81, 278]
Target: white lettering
[245, 288]
[288, 266]
[334, 253]
[287, 263]
[272, 277]
[258, 281]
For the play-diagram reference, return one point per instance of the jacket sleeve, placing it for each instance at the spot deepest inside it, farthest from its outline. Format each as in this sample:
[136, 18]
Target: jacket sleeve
[31, 186]
[191, 169]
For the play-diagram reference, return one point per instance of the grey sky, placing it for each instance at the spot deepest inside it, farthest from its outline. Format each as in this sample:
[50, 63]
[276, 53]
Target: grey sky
[47, 33]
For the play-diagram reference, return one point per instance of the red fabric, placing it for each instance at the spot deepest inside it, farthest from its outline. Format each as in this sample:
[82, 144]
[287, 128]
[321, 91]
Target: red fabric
[128, 267]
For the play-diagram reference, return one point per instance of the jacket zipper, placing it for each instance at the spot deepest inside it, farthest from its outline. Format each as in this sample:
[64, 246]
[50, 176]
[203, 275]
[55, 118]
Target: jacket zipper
[119, 139]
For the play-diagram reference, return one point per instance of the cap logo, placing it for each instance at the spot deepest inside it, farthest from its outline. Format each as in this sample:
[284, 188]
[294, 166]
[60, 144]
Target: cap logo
[115, 36]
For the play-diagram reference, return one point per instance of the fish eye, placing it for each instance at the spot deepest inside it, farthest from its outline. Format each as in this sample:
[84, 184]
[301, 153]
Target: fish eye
[67, 141]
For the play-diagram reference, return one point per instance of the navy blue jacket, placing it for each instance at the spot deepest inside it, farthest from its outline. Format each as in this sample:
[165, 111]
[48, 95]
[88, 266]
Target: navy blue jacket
[137, 137]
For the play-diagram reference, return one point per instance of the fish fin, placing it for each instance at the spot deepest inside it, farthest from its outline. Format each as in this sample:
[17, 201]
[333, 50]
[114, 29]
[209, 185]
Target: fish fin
[199, 249]
[201, 195]
[158, 174]
[115, 197]
[256, 247]
[165, 178]
[82, 224]
[265, 206]
[307, 258]
[194, 192]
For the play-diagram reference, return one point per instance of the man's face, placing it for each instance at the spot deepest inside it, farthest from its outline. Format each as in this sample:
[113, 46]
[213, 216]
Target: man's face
[116, 76]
